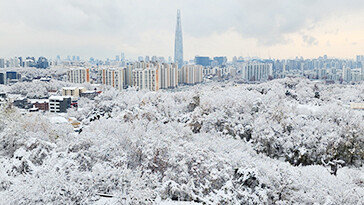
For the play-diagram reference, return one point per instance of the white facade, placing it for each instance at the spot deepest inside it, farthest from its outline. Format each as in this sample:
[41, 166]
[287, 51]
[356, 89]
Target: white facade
[168, 76]
[346, 74]
[73, 91]
[114, 77]
[59, 103]
[78, 75]
[256, 71]
[146, 79]
[191, 74]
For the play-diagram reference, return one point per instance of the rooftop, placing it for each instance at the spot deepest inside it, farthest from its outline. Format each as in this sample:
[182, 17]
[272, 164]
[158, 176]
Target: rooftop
[60, 98]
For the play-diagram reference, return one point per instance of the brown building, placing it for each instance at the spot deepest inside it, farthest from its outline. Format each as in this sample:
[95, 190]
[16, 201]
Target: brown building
[41, 104]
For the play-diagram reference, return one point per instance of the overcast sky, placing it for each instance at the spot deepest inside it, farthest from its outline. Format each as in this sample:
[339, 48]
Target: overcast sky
[265, 28]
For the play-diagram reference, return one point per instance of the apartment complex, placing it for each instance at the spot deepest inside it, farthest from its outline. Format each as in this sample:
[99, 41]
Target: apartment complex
[142, 75]
[114, 77]
[146, 78]
[191, 74]
[78, 75]
[256, 71]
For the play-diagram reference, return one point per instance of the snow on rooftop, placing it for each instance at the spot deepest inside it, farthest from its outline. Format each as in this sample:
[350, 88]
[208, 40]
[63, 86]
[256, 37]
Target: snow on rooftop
[60, 98]
[69, 88]
[38, 101]
[58, 120]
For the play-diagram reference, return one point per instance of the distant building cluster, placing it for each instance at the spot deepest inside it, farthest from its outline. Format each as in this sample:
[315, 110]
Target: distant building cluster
[17, 62]
[214, 62]
[322, 68]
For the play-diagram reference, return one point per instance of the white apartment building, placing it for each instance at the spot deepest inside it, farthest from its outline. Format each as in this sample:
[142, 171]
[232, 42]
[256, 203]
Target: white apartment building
[256, 71]
[346, 74]
[146, 79]
[114, 77]
[356, 75]
[78, 75]
[168, 76]
[191, 74]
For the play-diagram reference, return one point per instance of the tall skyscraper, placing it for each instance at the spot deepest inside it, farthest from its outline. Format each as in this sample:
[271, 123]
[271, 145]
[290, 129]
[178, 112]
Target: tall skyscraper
[178, 44]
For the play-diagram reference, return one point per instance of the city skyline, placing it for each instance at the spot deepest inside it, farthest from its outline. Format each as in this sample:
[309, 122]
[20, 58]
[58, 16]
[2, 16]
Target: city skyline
[235, 28]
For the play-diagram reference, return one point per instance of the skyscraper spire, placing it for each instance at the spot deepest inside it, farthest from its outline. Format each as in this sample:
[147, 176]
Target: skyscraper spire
[178, 44]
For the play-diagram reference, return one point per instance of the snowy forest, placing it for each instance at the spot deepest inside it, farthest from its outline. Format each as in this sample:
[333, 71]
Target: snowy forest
[286, 141]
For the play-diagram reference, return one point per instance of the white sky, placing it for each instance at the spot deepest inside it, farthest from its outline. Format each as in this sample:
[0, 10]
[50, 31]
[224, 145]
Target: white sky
[265, 28]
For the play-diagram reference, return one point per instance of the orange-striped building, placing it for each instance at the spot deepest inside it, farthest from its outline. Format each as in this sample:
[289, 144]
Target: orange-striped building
[114, 77]
[78, 75]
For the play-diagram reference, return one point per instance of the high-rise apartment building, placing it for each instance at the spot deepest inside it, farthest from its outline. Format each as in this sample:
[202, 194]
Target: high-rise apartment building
[146, 79]
[78, 75]
[256, 71]
[178, 44]
[346, 74]
[114, 77]
[191, 74]
[168, 76]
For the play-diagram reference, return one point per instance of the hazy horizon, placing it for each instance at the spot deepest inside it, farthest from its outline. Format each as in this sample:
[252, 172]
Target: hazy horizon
[276, 29]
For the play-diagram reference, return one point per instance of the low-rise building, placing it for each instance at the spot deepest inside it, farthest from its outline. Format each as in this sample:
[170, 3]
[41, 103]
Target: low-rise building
[40, 104]
[59, 103]
[73, 91]
[90, 94]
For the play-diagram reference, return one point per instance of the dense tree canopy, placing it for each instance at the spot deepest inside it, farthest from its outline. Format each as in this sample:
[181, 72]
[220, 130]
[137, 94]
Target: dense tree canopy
[274, 142]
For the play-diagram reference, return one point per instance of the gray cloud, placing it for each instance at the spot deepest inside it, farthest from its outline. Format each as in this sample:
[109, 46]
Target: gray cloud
[309, 40]
[267, 21]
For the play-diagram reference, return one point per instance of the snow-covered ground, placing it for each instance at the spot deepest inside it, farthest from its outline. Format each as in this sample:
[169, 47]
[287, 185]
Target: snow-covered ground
[289, 141]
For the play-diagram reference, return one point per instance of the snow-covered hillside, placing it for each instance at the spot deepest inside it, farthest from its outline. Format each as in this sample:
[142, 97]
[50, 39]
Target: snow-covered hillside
[281, 142]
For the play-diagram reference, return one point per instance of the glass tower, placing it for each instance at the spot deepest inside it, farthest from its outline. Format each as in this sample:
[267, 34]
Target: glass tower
[178, 44]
